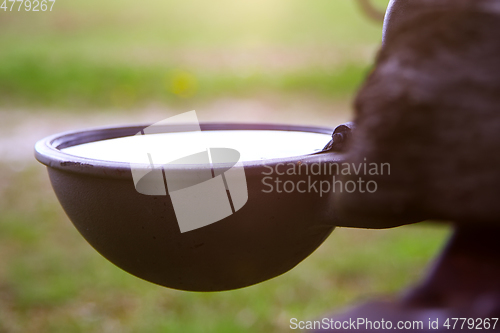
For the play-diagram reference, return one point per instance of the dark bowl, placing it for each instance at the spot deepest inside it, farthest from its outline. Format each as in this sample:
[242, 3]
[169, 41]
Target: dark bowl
[268, 236]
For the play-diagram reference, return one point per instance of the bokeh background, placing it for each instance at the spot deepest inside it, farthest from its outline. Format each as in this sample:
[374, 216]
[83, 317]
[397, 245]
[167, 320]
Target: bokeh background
[93, 63]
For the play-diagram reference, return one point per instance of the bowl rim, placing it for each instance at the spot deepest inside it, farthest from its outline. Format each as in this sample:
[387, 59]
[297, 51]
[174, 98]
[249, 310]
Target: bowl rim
[48, 150]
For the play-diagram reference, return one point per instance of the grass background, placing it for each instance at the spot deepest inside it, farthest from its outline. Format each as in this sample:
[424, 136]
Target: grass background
[97, 62]
[126, 53]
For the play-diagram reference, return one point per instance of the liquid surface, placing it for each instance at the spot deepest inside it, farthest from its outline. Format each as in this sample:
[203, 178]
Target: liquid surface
[166, 147]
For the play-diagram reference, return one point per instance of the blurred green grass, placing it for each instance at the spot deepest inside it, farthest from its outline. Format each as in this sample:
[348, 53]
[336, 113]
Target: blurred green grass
[32, 82]
[51, 280]
[126, 53]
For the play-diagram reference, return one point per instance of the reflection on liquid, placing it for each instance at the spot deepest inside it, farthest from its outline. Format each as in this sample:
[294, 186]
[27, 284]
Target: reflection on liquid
[251, 144]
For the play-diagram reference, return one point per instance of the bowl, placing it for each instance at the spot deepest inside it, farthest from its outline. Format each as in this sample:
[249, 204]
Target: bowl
[264, 235]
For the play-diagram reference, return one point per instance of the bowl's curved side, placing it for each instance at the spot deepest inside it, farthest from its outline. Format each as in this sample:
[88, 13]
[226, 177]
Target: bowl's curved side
[268, 236]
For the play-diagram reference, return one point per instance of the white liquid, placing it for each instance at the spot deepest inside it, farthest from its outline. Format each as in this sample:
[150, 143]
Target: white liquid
[252, 145]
